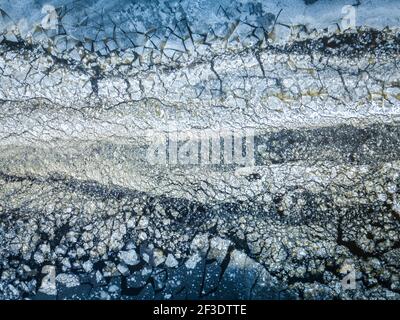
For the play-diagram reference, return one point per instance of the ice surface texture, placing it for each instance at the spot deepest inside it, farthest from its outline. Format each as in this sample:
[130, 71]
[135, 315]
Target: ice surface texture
[86, 85]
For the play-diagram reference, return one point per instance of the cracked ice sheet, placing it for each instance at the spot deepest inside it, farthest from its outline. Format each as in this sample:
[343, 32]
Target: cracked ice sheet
[296, 93]
[205, 13]
[84, 215]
